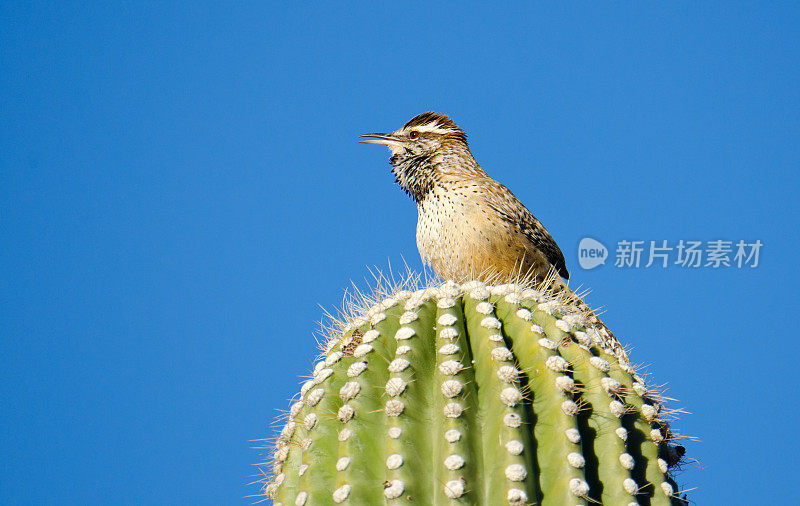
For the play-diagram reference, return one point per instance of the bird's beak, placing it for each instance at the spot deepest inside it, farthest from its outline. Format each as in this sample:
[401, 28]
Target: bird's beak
[384, 139]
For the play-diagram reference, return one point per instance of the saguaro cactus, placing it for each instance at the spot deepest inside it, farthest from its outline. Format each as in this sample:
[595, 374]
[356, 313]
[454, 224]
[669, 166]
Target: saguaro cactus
[472, 394]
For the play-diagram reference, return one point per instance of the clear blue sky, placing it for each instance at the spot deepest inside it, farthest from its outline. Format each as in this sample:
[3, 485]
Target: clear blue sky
[181, 187]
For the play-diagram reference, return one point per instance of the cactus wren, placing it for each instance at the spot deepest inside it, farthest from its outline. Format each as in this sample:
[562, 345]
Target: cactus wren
[470, 226]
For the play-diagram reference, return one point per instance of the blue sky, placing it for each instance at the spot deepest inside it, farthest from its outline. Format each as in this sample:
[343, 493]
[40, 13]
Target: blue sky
[181, 189]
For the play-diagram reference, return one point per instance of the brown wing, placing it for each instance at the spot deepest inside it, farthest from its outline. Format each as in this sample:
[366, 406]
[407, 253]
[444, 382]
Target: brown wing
[507, 205]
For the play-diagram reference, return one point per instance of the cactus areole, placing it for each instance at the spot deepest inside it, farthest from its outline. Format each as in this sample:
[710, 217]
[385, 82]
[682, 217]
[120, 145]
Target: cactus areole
[472, 394]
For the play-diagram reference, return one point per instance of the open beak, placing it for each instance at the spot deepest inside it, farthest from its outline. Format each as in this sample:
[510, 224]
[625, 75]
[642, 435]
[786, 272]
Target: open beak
[384, 139]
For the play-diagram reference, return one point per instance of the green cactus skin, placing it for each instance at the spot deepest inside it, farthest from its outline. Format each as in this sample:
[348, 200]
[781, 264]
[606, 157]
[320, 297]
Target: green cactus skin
[472, 394]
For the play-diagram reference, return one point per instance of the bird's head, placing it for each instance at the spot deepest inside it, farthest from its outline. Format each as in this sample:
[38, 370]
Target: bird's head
[424, 134]
[415, 147]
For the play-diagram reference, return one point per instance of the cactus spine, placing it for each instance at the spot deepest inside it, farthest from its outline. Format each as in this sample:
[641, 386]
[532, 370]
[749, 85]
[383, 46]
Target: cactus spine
[472, 394]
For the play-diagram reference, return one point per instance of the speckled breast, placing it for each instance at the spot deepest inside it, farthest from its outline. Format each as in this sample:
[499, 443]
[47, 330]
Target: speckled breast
[461, 238]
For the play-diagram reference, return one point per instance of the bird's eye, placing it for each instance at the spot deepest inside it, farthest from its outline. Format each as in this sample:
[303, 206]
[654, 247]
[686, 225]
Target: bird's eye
[413, 134]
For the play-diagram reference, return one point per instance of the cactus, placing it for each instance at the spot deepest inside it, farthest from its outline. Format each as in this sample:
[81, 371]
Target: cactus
[472, 394]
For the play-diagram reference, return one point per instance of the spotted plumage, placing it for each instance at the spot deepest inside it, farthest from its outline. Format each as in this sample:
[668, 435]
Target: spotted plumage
[470, 226]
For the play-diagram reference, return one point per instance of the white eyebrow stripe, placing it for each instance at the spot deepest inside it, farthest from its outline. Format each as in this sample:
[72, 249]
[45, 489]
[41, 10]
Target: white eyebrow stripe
[431, 127]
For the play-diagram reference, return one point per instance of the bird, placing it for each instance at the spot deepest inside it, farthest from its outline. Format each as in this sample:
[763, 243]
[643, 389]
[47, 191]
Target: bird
[470, 226]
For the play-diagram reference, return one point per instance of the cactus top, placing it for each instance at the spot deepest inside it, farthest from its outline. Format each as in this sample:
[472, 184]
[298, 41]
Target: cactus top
[472, 394]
